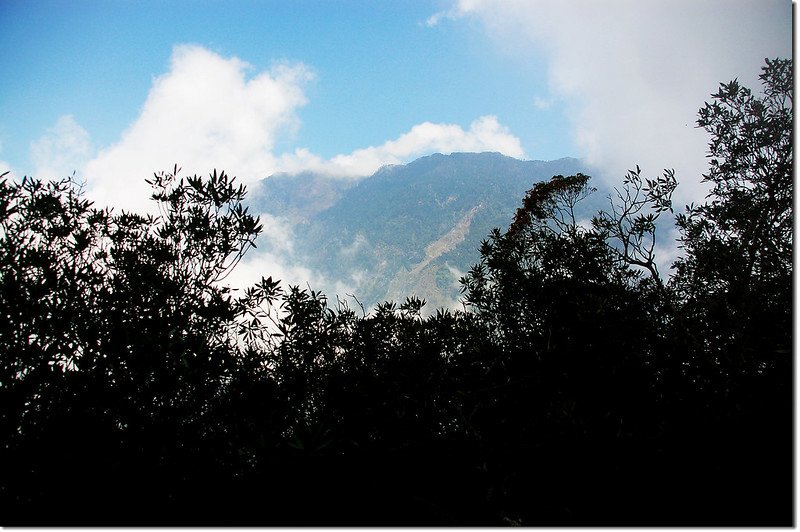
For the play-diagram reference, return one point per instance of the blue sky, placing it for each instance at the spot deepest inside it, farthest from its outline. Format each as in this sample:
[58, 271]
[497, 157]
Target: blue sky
[379, 70]
[118, 89]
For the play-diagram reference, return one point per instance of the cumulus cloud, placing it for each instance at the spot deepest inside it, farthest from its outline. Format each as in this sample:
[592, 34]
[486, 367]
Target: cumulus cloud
[64, 148]
[484, 134]
[633, 74]
[204, 113]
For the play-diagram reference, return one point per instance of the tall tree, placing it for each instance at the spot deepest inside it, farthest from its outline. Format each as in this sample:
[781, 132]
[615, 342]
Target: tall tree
[733, 322]
[736, 275]
[117, 337]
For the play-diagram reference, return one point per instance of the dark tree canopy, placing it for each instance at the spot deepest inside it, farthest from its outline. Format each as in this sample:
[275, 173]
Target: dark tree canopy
[579, 385]
[736, 274]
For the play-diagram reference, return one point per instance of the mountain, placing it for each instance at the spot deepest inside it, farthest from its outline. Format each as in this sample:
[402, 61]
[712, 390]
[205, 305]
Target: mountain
[410, 229]
[297, 197]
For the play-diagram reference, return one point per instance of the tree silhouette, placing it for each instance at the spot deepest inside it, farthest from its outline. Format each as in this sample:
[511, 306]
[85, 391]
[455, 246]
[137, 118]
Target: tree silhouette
[577, 387]
[736, 274]
[117, 337]
[565, 377]
[734, 284]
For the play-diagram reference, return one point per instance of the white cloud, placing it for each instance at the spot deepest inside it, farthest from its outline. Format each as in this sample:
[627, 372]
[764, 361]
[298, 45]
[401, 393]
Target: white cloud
[283, 265]
[633, 74]
[484, 134]
[204, 113]
[276, 234]
[261, 263]
[63, 149]
[359, 243]
[274, 257]
[542, 103]
[457, 11]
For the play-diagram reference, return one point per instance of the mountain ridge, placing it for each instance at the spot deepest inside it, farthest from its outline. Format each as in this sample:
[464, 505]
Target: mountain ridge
[376, 234]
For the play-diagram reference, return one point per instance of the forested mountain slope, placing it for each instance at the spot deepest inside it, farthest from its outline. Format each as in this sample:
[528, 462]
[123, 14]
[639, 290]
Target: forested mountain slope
[409, 229]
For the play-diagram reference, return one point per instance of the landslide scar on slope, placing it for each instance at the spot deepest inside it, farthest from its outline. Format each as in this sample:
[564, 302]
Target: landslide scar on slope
[449, 241]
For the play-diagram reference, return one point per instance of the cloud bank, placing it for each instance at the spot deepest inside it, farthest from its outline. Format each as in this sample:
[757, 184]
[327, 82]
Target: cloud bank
[635, 73]
[484, 134]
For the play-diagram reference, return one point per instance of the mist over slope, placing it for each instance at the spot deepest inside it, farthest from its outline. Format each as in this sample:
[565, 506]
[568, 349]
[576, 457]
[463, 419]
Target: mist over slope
[410, 229]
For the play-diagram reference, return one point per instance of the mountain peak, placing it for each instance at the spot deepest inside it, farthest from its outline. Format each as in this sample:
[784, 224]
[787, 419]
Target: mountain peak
[376, 236]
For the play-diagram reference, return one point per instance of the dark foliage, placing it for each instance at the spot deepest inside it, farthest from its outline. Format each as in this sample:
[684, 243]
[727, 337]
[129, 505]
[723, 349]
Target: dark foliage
[578, 386]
